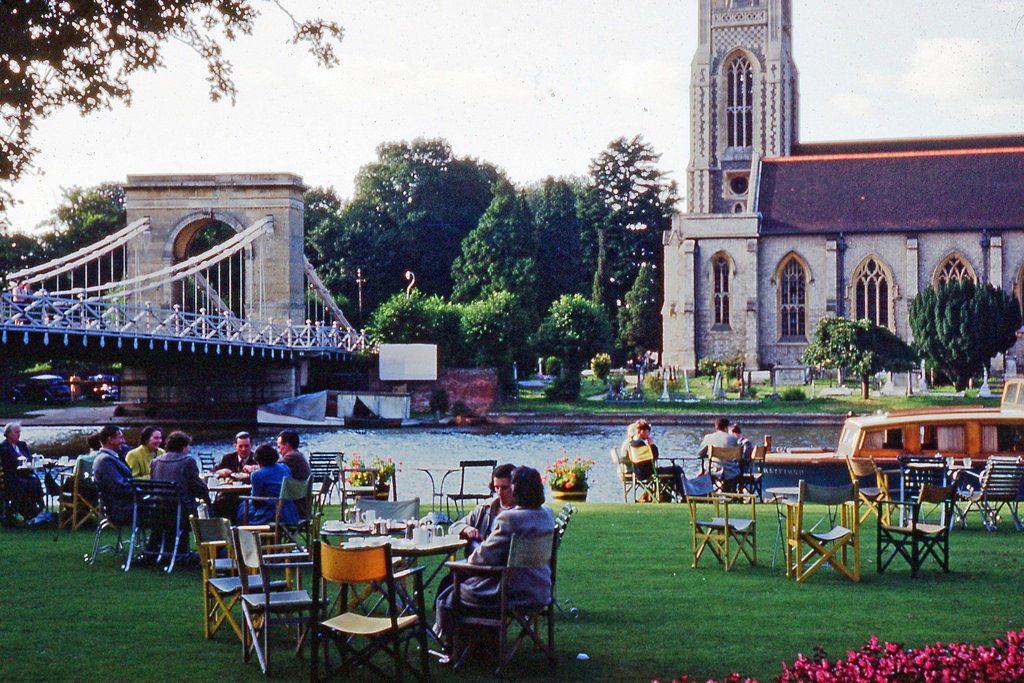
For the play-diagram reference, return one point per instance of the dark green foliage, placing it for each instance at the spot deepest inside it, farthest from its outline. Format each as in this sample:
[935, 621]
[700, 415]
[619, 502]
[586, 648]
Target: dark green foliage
[574, 330]
[637, 202]
[560, 252]
[552, 365]
[564, 387]
[729, 366]
[495, 327]
[860, 346]
[499, 254]
[640, 316]
[960, 326]
[420, 319]
[438, 401]
[792, 394]
[84, 216]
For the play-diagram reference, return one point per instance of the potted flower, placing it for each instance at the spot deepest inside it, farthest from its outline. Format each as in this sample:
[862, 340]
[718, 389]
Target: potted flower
[568, 478]
[382, 481]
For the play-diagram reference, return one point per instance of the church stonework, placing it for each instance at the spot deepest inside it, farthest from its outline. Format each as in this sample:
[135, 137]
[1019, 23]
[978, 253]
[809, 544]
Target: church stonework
[778, 234]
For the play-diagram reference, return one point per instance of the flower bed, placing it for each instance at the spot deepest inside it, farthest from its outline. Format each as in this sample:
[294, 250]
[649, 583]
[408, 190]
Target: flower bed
[877, 662]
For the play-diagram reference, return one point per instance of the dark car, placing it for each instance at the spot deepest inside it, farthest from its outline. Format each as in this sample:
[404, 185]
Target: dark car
[105, 387]
[41, 389]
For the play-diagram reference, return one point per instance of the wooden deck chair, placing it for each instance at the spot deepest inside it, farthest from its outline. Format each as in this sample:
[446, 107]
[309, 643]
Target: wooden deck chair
[647, 485]
[917, 538]
[262, 605]
[724, 454]
[752, 475]
[810, 547]
[524, 553]
[725, 532]
[294, 490]
[998, 487]
[337, 623]
[873, 493]
[78, 502]
[625, 471]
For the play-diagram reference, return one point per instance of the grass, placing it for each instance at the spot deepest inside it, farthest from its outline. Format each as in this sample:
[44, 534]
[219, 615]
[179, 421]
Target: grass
[645, 613]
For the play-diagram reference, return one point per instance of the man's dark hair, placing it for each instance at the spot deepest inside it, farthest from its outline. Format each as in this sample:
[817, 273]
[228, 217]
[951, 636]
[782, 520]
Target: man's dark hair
[500, 472]
[527, 487]
[722, 424]
[243, 435]
[290, 437]
[147, 432]
[265, 454]
[94, 442]
[177, 442]
[108, 432]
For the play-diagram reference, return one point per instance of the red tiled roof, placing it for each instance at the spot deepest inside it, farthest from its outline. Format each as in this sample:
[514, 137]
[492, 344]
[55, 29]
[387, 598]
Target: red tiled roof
[867, 191]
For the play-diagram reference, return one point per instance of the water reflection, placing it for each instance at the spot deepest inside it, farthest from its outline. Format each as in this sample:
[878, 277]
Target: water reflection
[532, 445]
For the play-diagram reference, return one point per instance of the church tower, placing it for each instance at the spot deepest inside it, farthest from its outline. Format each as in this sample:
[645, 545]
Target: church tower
[743, 100]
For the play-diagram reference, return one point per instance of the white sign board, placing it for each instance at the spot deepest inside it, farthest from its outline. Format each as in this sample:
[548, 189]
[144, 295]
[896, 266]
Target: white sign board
[408, 362]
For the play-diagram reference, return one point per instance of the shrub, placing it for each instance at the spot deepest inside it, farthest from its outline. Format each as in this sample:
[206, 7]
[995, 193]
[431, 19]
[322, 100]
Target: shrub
[729, 366]
[552, 365]
[565, 387]
[439, 401]
[601, 365]
[615, 382]
[653, 384]
[792, 394]
[460, 408]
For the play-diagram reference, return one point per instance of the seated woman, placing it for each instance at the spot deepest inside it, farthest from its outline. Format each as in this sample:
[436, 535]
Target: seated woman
[266, 483]
[527, 519]
[22, 491]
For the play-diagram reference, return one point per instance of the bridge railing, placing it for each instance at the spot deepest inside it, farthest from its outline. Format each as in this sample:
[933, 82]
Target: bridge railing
[45, 313]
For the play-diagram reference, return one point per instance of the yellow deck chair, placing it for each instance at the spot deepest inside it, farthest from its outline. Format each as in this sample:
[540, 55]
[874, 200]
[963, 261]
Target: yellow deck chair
[812, 546]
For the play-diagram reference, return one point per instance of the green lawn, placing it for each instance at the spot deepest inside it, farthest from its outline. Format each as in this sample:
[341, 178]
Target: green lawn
[645, 614]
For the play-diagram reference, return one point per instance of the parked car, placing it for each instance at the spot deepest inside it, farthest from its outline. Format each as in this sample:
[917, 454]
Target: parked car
[105, 387]
[41, 389]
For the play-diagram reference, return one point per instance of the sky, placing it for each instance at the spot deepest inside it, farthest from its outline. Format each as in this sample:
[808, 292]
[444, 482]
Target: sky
[537, 88]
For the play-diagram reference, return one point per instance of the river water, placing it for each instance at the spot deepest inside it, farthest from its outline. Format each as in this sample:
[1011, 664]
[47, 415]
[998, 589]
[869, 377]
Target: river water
[442, 448]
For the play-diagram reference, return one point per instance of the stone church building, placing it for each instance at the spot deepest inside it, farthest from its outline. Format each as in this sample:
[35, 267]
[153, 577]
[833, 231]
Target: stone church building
[779, 233]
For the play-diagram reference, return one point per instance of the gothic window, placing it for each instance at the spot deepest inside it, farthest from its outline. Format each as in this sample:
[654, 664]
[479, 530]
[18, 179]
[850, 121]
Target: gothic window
[793, 300]
[954, 268]
[720, 264]
[872, 286]
[740, 105]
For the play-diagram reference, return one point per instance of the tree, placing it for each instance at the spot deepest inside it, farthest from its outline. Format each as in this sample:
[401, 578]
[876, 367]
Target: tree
[574, 330]
[411, 211]
[559, 231]
[860, 346]
[640, 315]
[959, 326]
[84, 216]
[421, 319]
[83, 53]
[500, 253]
[494, 327]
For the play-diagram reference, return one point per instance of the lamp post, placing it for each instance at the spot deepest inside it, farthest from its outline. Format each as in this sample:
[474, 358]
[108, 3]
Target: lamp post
[359, 284]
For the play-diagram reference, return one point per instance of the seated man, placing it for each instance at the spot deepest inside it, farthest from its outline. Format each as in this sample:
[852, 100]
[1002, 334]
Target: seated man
[113, 477]
[477, 525]
[266, 483]
[288, 449]
[139, 459]
[528, 519]
[726, 471]
[239, 461]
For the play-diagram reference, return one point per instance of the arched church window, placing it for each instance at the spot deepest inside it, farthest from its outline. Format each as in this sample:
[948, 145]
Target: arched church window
[793, 300]
[740, 104]
[871, 292]
[954, 269]
[720, 264]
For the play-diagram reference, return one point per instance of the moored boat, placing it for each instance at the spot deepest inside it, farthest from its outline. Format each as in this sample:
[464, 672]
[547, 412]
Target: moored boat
[964, 435]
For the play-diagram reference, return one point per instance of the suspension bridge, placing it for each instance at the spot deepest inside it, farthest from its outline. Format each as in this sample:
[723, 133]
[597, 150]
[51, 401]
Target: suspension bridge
[206, 287]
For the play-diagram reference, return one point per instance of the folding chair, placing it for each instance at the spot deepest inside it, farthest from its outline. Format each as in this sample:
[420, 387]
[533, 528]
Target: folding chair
[261, 603]
[752, 473]
[725, 533]
[832, 547]
[917, 538]
[647, 485]
[524, 553]
[78, 502]
[458, 500]
[998, 487]
[399, 510]
[721, 455]
[565, 608]
[157, 511]
[206, 462]
[105, 523]
[876, 491]
[625, 477]
[323, 467]
[294, 490]
[339, 622]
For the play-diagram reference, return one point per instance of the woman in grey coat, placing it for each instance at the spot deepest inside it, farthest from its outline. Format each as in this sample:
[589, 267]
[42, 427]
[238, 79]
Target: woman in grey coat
[527, 519]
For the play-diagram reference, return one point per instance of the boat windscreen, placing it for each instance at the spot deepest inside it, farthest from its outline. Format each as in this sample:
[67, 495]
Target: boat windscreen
[848, 440]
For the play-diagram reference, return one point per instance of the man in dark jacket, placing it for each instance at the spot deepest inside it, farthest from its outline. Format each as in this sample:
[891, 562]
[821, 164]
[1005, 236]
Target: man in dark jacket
[113, 477]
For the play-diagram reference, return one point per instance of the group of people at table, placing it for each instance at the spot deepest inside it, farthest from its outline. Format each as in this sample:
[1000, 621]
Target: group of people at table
[639, 455]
